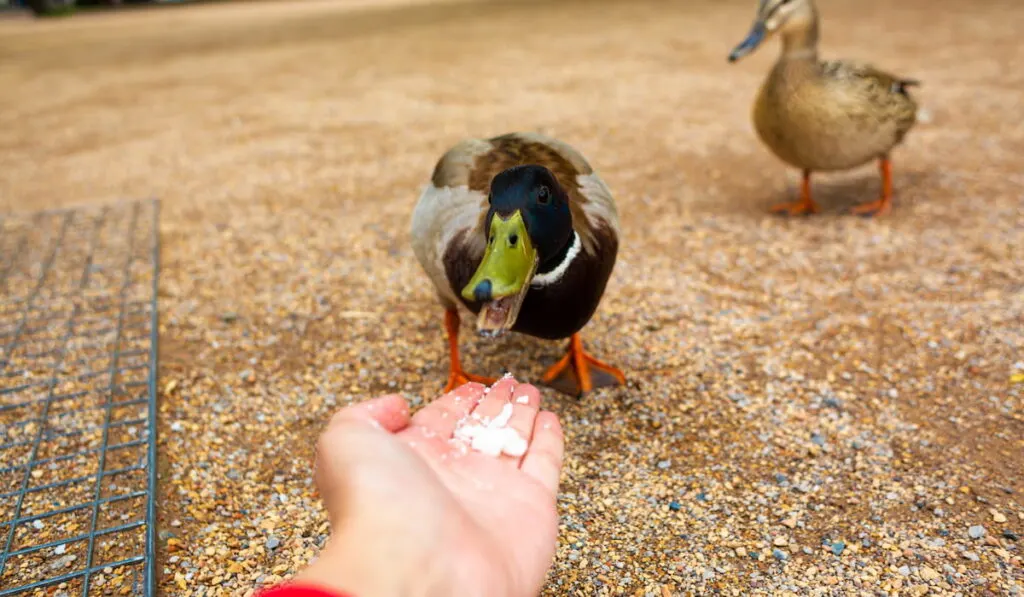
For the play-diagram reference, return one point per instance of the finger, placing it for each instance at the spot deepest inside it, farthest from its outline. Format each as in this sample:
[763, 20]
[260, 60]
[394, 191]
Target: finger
[440, 416]
[525, 401]
[494, 400]
[543, 460]
[390, 413]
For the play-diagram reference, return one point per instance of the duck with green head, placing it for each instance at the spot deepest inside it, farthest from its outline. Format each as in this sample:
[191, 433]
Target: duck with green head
[521, 232]
[824, 115]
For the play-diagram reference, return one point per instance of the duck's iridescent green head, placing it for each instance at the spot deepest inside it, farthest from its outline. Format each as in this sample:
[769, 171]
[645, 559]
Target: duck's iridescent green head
[528, 223]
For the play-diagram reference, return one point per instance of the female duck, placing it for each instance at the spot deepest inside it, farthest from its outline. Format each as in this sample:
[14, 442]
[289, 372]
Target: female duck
[824, 115]
[520, 230]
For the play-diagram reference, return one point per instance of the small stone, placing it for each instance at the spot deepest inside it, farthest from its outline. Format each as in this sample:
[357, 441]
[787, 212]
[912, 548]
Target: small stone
[1011, 536]
[976, 532]
[928, 574]
[780, 555]
[177, 427]
[904, 570]
[664, 464]
[970, 555]
[781, 541]
[63, 561]
[789, 523]
[37, 524]
[838, 548]
[60, 549]
[273, 542]
[675, 506]
[998, 516]
[818, 439]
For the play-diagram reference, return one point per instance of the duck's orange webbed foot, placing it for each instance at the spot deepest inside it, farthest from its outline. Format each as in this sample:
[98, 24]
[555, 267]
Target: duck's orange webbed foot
[795, 208]
[873, 208]
[456, 376]
[881, 206]
[804, 206]
[577, 373]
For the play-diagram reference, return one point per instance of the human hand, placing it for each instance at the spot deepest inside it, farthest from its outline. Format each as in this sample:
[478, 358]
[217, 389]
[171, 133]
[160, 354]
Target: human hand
[413, 515]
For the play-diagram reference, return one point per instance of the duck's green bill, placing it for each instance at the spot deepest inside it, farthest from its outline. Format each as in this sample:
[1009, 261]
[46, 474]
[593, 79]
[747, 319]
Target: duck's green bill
[504, 275]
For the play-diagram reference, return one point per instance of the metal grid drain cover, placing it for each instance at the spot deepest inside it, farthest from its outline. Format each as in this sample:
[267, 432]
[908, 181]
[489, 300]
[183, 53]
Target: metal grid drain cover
[78, 354]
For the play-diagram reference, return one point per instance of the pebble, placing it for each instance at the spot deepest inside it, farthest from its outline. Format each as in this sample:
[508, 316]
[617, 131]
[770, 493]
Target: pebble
[976, 532]
[929, 574]
[664, 464]
[904, 570]
[60, 549]
[675, 506]
[1011, 536]
[970, 555]
[838, 547]
[273, 542]
[63, 561]
[780, 555]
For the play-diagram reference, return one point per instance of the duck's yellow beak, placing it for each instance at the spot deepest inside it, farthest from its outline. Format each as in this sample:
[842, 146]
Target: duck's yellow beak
[748, 45]
[508, 262]
[504, 275]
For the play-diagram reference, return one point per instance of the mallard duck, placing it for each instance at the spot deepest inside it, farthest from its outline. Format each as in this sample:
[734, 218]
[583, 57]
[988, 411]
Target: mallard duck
[520, 231]
[824, 115]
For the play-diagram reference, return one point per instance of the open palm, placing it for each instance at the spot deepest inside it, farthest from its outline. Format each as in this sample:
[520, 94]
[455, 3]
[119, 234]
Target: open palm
[415, 512]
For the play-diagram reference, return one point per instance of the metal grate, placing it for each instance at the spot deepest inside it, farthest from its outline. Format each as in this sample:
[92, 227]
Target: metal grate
[78, 353]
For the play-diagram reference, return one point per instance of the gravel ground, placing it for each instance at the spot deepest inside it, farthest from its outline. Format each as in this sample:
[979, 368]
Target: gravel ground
[820, 406]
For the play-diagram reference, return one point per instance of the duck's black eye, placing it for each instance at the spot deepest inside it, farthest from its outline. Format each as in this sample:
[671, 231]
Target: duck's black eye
[543, 195]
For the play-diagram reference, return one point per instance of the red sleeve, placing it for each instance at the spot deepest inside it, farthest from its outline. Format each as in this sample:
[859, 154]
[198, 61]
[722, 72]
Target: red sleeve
[297, 590]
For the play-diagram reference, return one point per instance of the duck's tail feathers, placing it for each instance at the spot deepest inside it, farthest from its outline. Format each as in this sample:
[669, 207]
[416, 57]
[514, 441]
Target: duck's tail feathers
[901, 85]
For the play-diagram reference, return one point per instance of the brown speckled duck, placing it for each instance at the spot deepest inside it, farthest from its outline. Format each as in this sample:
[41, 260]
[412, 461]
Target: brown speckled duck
[520, 231]
[824, 115]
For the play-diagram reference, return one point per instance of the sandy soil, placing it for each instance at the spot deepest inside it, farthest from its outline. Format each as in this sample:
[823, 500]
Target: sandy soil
[821, 406]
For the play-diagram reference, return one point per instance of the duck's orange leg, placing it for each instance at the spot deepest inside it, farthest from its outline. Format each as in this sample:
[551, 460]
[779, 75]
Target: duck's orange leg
[884, 205]
[805, 205]
[456, 376]
[578, 373]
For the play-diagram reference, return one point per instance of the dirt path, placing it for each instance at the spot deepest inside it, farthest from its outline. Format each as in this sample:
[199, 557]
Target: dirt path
[819, 404]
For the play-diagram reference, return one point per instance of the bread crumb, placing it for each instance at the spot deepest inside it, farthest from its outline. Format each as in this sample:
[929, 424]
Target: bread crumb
[515, 445]
[492, 437]
[523, 400]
